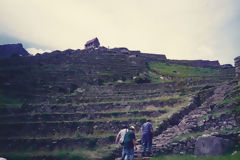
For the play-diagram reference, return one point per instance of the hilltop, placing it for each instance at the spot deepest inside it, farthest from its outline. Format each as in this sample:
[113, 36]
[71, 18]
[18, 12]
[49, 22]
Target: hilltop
[9, 50]
[71, 103]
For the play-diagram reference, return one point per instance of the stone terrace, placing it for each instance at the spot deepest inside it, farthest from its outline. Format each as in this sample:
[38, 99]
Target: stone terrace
[64, 101]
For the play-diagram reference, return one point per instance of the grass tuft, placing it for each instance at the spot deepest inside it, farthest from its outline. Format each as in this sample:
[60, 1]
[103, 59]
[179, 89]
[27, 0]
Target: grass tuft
[192, 157]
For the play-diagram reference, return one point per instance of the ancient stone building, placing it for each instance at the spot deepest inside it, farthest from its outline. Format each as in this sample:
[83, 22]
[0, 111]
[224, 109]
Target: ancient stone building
[237, 67]
[94, 43]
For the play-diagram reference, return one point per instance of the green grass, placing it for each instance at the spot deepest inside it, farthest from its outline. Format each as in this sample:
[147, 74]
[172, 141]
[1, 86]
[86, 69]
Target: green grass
[188, 136]
[105, 113]
[238, 109]
[152, 99]
[77, 154]
[237, 129]
[116, 82]
[83, 122]
[226, 111]
[156, 78]
[9, 102]
[197, 134]
[116, 102]
[192, 157]
[228, 101]
[180, 71]
[61, 155]
[203, 118]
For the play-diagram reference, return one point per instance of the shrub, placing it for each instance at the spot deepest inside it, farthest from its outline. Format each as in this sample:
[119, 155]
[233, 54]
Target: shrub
[142, 78]
[92, 142]
[100, 82]
[78, 134]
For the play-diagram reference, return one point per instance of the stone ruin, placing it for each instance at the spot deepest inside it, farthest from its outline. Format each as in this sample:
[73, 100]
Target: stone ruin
[79, 79]
[93, 43]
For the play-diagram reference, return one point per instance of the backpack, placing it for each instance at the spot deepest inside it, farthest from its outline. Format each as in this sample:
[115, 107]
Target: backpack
[122, 135]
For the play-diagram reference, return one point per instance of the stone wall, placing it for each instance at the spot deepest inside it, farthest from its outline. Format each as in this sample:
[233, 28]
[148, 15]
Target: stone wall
[187, 145]
[237, 67]
[195, 102]
[50, 144]
[61, 128]
[197, 63]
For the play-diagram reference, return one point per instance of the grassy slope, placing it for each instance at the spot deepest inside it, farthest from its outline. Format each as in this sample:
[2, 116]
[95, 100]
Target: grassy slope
[180, 71]
[80, 154]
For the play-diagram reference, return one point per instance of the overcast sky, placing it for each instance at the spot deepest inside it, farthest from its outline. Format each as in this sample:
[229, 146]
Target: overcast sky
[181, 29]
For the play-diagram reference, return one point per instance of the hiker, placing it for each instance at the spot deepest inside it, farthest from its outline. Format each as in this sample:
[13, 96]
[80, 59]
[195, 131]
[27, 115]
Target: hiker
[120, 138]
[129, 144]
[147, 135]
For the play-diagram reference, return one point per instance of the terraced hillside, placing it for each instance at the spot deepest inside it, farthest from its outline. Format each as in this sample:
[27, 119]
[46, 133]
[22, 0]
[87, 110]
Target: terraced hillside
[71, 104]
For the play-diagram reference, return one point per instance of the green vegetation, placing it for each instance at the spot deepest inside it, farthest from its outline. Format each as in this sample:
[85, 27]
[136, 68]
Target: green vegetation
[197, 134]
[180, 71]
[79, 154]
[84, 122]
[188, 136]
[151, 99]
[204, 117]
[229, 130]
[9, 102]
[155, 78]
[142, 78]
[238, 109]
[226, 111]
[117, 82]
[232, 100]
[192, 157]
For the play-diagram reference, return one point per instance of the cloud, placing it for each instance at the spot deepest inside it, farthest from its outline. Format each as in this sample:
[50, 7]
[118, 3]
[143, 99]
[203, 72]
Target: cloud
[186, 29]
[34, 51]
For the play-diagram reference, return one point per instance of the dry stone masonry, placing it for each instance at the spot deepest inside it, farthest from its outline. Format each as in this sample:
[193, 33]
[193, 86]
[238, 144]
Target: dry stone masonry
[191, 123]
[75, 99]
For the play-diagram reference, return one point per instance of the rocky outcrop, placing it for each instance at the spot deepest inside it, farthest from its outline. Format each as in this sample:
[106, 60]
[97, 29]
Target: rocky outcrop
[237, 67]
[9, 50]
[211, 146]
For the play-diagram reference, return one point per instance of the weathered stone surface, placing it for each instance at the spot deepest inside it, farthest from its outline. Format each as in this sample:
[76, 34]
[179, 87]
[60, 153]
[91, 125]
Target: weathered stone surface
[237, 67]
[211, 146]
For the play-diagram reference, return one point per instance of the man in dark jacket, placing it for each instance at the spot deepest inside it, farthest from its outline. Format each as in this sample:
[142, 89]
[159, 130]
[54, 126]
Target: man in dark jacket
[129, 144]
[147, 135]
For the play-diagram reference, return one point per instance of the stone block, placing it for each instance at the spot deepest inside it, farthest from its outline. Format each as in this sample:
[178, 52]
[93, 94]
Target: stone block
[211, 146]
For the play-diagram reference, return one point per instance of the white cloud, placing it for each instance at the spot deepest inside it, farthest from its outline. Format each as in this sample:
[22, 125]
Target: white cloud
[34, 51]
[186, 29]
